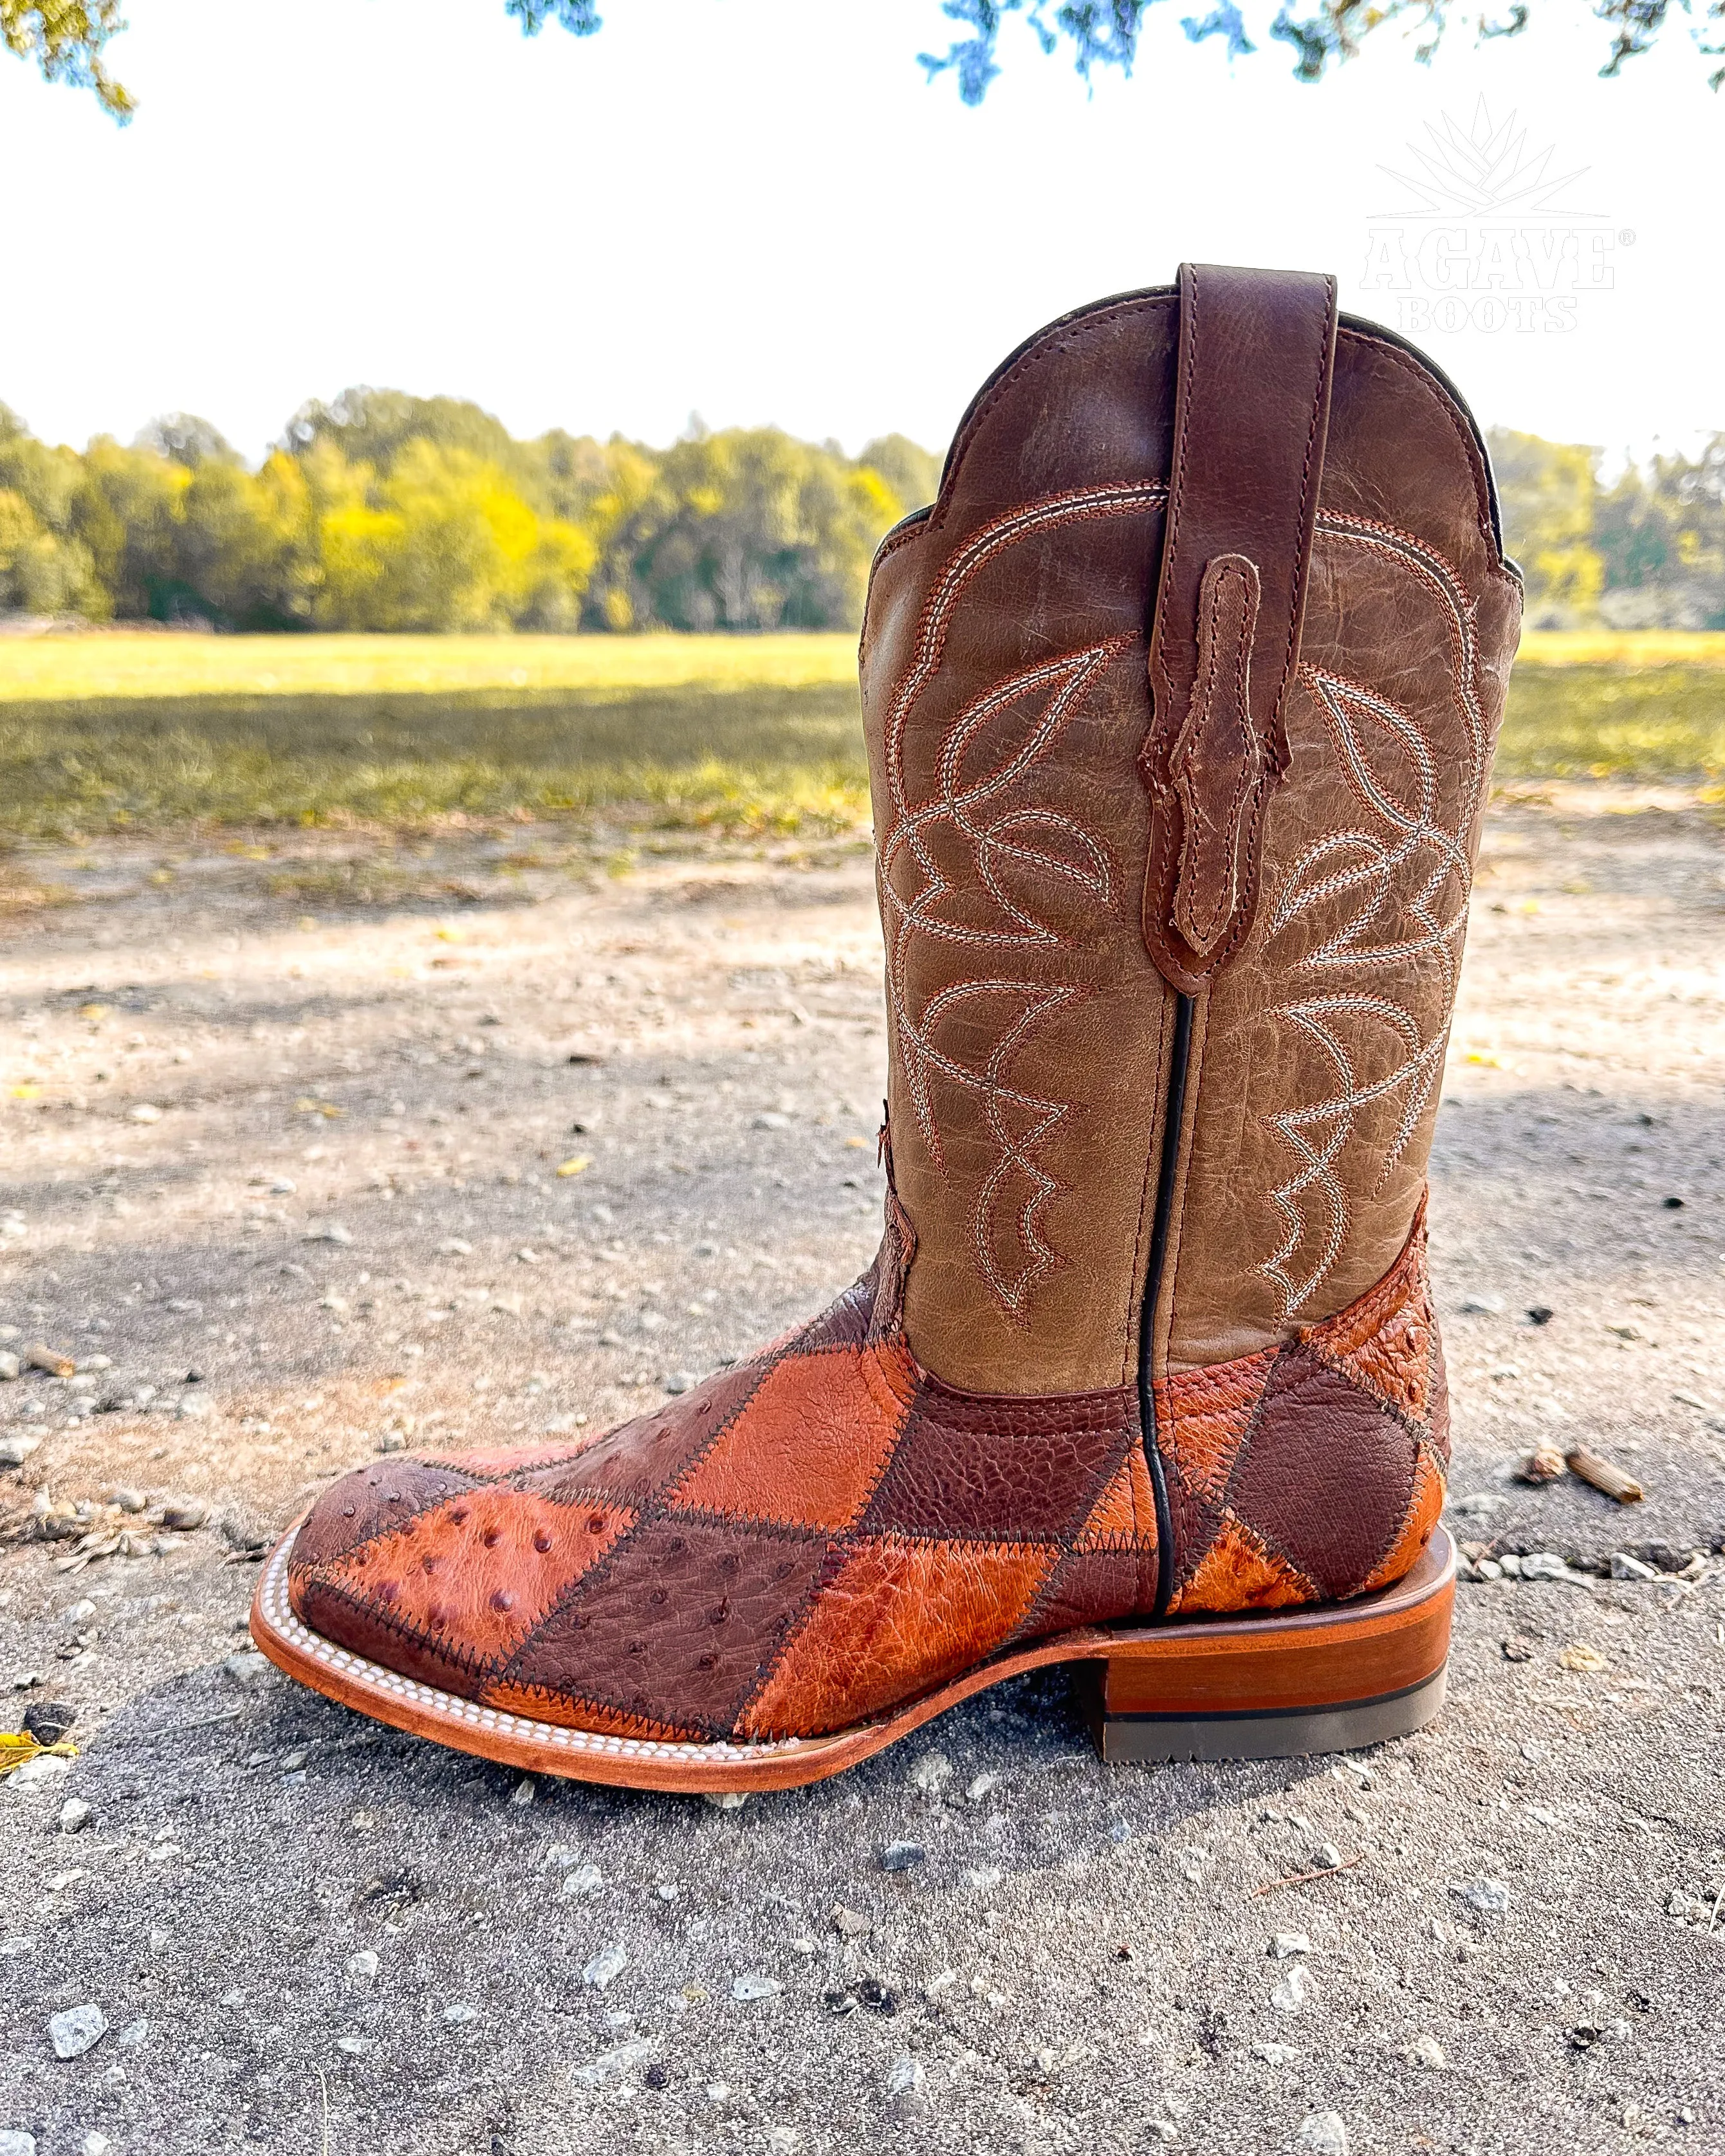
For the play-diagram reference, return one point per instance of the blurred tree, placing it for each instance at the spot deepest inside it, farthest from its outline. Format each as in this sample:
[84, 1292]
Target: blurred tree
[183, 439]
[1661, 532]
[912, 472]
[1548, 492]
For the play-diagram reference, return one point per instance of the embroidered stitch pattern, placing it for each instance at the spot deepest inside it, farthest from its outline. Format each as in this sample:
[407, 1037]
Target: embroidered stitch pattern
[1367, 865]
[973, 797]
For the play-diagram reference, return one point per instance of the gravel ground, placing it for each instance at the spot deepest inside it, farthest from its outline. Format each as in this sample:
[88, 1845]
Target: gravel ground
[316, 1161]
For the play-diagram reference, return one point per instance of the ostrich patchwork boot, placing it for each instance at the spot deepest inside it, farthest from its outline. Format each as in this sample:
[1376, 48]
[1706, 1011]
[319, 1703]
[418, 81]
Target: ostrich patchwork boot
[1180, 703]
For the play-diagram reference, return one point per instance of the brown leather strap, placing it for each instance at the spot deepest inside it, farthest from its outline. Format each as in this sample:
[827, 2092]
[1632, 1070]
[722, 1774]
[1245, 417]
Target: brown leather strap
[1252, 407]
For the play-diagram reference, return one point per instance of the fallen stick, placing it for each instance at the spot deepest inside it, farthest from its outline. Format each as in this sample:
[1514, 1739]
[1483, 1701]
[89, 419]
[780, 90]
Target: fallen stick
[1306, 1878]
[1589, 1467]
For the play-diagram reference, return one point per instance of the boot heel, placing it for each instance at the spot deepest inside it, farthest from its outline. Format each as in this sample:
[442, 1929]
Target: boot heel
[1282, 1686]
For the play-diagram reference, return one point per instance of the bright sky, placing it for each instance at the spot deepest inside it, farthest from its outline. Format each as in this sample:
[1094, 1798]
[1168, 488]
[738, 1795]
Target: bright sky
[759, 210]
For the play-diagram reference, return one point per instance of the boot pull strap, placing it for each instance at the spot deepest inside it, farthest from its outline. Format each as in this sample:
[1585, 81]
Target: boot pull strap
[1251, 406]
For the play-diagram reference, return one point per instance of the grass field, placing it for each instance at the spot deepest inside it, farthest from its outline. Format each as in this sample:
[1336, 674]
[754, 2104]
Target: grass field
[115, 731]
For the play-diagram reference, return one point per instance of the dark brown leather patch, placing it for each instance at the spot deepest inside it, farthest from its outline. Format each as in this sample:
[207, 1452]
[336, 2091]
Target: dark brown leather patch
[973, 1464]
[680, 1625]
[363, 1626]
[1088, 1586]
[1325, 1475]
[634, 1462]
[374, 1501]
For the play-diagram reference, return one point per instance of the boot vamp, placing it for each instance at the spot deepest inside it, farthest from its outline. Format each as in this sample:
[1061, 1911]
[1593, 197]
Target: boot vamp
[795, 1545]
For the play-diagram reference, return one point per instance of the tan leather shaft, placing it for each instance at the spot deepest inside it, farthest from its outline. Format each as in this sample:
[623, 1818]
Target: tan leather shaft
[1006, 702]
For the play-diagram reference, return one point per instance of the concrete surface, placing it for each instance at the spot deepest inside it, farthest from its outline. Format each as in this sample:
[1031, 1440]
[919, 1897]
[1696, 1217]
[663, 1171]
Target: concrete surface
[305, 1934]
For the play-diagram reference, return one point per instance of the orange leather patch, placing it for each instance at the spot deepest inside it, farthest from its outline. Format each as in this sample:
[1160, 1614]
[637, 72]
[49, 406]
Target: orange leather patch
[901, 1617]
[537, 1703]
[481, 1568]
[1201, 1418]
[1383, 1341]
[812, 1442]
[1425, 1502]
[1238, 1573]
[1125, 1512]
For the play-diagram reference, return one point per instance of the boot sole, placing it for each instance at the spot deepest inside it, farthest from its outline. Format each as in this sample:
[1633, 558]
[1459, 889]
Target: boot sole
[1281, 1685]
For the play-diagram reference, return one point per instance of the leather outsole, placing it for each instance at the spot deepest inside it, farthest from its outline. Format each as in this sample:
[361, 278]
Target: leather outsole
[1333, 1678]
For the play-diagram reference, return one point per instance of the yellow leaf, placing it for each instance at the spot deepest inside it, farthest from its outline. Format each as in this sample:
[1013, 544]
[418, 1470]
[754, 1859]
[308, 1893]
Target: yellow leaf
[1490, 1062]
[1585, 1658]
[26, 1092]
[17, 1748]
[92, 1010]
[451, 936]
[575, 1166]
[327, 1109]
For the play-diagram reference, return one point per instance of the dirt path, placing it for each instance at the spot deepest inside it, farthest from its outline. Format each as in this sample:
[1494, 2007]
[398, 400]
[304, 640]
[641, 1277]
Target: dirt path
[307, 1144]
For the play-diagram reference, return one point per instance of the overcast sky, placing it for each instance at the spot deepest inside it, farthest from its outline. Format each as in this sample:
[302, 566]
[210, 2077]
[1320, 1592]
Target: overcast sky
[758, 210]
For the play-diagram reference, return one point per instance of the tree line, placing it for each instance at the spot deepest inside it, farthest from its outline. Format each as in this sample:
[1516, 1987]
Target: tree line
[1645, 550]
[382, 512]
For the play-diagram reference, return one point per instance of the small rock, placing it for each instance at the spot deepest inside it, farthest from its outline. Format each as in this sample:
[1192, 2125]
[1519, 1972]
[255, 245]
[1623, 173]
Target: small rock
[901, 1856]
[983, 1786]
[1541, 1313]
[1482, 1306]
[1324, 2132]
[769, 1119]
[184, 1519]
[97, 2144]
[1288, 1993]
[907, 2086]
[1543, 1464]
[1327, 1857]
[681, 1381]
[362, 1966]
[524, 1791]
[726, 1800]
[607, 1965]
[74, 1815]
[332, 1231]
[1426, 2051]
[1276, 2055]
[13, 2143]
[77, 2031]
[233, 2000]
[931, 1772]
[8, 1370]
[1624, 1567]
[1545, 1564]
[617, 2060]
[1588, 1661]
[582, 1882]
[133, 2037]
[1518, 1651]
[43, 1768]
[745, 1988]
[849, 1923]
[1490, 1897]
[247, 1668]
[355, 2047]
[14, 1451]
[1287, 1944]
[146, 1111]
[460, 2013]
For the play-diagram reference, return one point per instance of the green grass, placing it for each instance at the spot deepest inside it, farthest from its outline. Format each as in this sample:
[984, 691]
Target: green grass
[110, 732]
[107, 732]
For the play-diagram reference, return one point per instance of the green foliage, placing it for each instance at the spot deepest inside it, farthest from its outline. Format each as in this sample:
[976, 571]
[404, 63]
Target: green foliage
[66, 40]
[66, 37]
[383, 511]
[1647, 553]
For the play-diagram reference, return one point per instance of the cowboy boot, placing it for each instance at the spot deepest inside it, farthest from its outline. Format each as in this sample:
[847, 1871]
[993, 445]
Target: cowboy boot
[1180, 703]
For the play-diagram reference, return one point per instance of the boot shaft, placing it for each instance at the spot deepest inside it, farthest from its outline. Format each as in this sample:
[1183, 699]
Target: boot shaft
[1170, 979]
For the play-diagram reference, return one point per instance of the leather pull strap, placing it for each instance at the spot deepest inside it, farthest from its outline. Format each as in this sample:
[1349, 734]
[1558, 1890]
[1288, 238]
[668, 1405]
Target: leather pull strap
[1252, 407]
